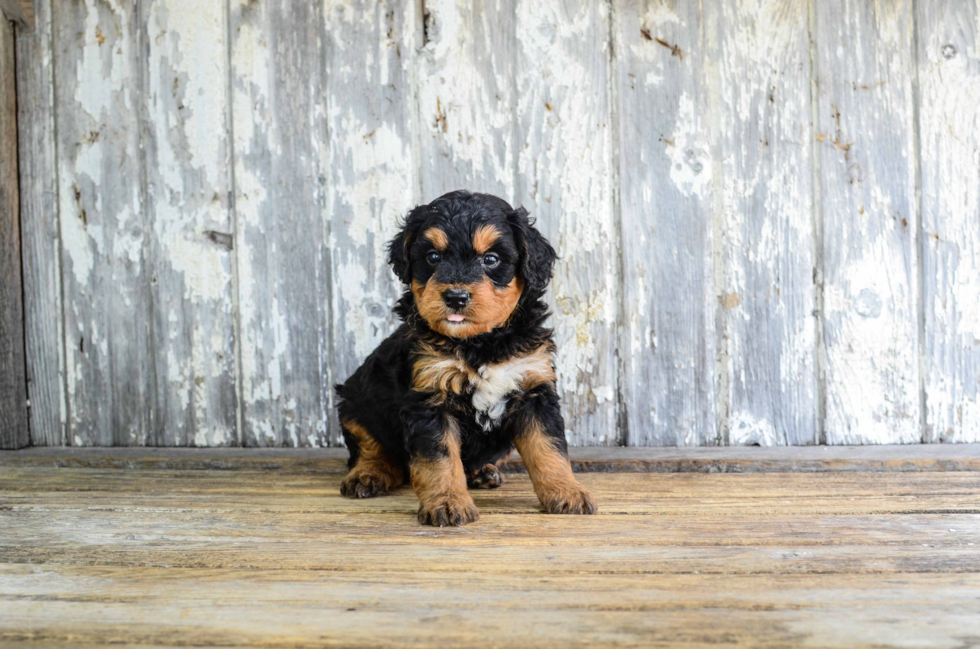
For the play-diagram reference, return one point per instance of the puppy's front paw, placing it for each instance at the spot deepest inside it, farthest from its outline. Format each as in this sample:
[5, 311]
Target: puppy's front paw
[487, 477]
[363, 485]
[570, 499]
[452, 510]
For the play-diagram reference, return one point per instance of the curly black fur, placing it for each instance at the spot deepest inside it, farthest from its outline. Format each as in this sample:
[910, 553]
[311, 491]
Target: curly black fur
[380, 396]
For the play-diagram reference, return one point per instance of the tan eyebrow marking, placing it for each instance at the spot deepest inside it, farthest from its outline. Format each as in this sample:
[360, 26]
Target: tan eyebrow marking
[485, 237]
[438, 238]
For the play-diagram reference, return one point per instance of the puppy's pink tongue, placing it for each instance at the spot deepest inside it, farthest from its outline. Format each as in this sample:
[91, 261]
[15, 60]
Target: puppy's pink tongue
[455, 317]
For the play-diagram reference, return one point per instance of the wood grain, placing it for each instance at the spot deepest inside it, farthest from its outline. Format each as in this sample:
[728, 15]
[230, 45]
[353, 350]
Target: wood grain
[279, 109]
[668, 340]
[948, 66]
[19, 11]
[101, 194]
[40, 233]
[207, 192]
[870, 219]
[187, 159]
[565, 179]
[13, 372]
[263, 558]
[763, 205]
[468, 138]
[373, 177]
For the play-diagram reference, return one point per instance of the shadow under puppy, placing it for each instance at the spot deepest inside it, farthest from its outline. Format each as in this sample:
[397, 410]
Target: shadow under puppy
[470, 374]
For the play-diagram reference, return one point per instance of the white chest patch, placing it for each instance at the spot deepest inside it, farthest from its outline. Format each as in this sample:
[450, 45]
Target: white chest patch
[494, 384]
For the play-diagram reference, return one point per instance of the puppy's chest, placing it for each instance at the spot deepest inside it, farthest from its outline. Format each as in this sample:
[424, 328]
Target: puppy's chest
[487, 388]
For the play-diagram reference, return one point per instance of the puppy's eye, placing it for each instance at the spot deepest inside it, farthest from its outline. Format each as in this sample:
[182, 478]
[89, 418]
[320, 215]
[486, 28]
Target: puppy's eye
[491, 260]
[433, 257]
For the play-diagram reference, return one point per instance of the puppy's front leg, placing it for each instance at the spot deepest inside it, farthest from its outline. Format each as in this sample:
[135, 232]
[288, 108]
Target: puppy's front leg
[437, 471]
[539, 435]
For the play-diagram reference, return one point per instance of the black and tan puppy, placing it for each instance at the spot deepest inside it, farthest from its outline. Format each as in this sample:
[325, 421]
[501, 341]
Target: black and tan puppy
[470, 374]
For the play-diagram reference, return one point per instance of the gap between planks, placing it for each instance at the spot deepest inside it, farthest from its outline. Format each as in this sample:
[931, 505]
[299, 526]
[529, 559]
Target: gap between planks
[739, 459]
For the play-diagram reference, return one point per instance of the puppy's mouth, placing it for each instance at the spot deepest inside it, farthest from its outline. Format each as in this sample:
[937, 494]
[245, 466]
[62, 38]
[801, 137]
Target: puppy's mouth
[456, 318]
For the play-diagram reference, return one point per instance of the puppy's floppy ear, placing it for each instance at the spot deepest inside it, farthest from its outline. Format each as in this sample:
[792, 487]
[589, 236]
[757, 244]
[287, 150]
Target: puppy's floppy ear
[537, 262]
[399, 256]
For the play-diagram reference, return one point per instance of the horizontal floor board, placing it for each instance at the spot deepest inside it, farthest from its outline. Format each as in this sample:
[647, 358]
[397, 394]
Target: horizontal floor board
[299, 608]
[266, 558]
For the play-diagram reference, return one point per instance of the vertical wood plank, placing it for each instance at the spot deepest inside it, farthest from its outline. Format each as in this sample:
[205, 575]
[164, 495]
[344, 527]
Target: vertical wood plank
[283, 267]
[665, 170]
[948, 59]
[43, 317]
[763, 190]
[188, 169]
[373, 176]
[13, 372]
[870, 220]
[466, 98]
[108, 361]
[565, 179]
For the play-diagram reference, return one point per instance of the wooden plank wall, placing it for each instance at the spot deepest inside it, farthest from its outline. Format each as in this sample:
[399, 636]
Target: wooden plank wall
[768, 212]
[13, 375]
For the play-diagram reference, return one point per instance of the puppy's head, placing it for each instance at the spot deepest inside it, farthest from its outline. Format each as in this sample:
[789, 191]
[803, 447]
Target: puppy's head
[469, 259]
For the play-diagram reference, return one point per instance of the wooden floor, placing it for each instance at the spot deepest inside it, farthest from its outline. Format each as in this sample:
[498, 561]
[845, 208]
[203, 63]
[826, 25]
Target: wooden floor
[276, 558]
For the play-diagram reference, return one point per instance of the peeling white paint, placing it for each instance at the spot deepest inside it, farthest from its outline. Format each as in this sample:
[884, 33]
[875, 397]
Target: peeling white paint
[374, 175]
[690, 168]
[949, 56]
[870, 221]
[714, 153]
[566, 176]
[464, 98]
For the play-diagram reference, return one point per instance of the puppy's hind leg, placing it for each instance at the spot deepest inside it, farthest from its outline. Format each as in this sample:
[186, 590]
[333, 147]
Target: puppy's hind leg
[486, 477]
[372, 472]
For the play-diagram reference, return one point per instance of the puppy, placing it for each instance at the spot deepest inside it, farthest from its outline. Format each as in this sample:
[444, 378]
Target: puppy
[471, 372]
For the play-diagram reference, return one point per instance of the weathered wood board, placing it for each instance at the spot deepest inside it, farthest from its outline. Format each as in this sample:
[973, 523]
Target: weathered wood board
[40, 232]
[466, 75]
[13, 372]
[668, 341]
[565, 180]
[89, 557]
[866, 129]
[105, 280]
[948, 58]
[763, 210]
[186, 145]
[284, 283]
[207, 192]
[373, 176]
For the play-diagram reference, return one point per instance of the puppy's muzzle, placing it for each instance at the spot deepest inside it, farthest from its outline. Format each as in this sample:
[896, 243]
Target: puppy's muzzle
[456, 298]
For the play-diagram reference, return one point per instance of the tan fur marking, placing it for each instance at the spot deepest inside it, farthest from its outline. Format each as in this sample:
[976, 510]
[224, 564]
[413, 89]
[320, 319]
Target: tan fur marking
[437, 237]
[551, 474]
[489, 307]
[373, 464]
[435, 371]
[486, 236]
[440, 485]
[542, 371]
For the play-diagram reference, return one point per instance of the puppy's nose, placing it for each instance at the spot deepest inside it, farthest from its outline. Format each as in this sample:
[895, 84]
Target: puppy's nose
[456, 298]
